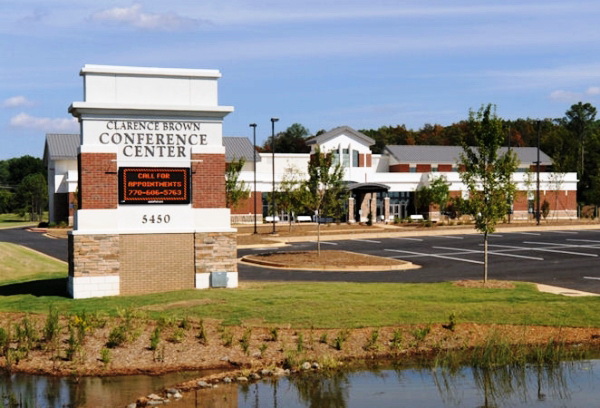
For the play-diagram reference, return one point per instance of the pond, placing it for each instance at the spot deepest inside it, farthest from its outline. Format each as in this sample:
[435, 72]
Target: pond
[567, 384]
[53, 392]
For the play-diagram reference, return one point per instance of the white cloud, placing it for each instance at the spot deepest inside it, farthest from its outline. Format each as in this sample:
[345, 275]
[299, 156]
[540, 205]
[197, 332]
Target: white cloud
[565, 96]
[16, 101]
[137, 18]
[23, 120]
[593, 90]
[570, 96]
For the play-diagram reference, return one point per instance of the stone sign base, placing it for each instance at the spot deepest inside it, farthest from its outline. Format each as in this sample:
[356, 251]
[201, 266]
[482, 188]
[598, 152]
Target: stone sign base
[130, 264]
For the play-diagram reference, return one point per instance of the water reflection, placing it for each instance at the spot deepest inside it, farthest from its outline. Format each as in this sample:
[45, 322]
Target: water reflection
[566, 384]
[20, 390]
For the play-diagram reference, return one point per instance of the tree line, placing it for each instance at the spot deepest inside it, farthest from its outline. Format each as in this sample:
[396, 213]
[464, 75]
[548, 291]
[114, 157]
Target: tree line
[23, 187]
[572, 141]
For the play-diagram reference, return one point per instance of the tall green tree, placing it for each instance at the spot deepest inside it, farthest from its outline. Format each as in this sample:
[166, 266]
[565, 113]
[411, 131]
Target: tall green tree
[236, 190]
[580, 120]
[487, 173]
[325, 192]
[292, 140]
[21, 167]
[32, 193]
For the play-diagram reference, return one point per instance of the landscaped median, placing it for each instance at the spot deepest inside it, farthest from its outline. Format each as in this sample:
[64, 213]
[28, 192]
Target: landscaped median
[328, 260]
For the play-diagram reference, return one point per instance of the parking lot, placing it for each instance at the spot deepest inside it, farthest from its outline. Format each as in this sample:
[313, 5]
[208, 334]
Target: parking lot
[565, 258]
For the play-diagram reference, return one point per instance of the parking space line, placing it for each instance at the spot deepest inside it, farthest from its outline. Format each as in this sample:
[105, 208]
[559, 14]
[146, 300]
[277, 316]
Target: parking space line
[325, 242]
[591, 277]
[447, 236]
[528, 233]
[498, 253]
[367, 240]
[565, 232]
[436, 256]
[408, 239]
[584, 240]
[546, 250]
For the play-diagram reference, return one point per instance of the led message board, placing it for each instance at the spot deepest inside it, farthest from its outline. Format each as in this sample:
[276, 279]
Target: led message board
[154, 185]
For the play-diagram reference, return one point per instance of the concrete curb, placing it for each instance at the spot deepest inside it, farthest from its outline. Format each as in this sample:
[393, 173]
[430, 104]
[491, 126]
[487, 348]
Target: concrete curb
[563, 291]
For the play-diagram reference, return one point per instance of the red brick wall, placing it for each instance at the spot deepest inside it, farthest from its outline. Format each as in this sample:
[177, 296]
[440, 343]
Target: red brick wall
[208, 181]
[247, 206]
[98, 181]
[369, 162]
[558, 200]
[361, 160]
[520, 201]
[444, 167]
[400, 168]
[423, 168]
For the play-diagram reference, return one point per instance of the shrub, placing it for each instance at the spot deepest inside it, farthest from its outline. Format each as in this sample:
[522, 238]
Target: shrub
[245, 340]
[117, 336]
[371, 343]
[274, 334]
[396, 341]
[155, 339]
[51, 328]
[202, 337]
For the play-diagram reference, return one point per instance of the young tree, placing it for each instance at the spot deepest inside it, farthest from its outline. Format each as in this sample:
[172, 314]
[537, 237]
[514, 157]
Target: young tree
[487, 174]
[289, 195]
[437, 192]
[236, 190]
[324, 192]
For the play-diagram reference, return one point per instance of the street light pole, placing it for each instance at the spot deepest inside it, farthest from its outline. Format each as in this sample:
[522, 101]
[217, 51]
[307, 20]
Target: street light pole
[537, 168]
[273, 120]
[253, 126]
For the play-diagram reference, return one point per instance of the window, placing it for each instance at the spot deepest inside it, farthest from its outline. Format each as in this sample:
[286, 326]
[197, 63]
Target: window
[335, 158]
[355, 158]
[345, 157]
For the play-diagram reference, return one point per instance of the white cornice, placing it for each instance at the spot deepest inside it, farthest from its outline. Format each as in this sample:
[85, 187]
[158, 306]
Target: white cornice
[78, 109]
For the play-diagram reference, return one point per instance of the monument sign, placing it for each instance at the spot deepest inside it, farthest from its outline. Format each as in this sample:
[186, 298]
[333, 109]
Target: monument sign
[151, 211]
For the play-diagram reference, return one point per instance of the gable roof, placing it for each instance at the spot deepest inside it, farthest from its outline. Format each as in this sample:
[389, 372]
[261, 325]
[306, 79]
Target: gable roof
[64, 146]
[451, 154]
[239, 147]
[323, 137]
[61, 146]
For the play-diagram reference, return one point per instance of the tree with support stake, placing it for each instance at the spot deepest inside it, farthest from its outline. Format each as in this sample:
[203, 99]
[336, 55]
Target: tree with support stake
[487, 174]
[324, 192]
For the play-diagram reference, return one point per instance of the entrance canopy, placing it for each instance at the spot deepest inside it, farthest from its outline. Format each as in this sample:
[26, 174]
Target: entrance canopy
[367, 187]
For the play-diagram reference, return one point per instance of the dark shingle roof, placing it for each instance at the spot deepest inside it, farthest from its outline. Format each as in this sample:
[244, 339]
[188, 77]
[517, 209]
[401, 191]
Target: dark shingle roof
[62, 146]
[323, 137]
[239, 147]
[451, 154]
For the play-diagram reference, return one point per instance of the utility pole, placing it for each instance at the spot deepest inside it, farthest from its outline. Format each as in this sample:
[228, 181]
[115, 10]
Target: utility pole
[253, 126]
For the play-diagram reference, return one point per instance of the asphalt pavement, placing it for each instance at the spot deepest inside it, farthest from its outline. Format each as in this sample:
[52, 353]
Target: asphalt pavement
[564, 258]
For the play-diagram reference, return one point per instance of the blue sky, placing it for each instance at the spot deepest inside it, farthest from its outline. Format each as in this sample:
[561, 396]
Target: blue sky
[321, 63]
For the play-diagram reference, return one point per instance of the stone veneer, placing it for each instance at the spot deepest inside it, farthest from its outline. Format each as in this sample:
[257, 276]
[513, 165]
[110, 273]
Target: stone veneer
[112, 264]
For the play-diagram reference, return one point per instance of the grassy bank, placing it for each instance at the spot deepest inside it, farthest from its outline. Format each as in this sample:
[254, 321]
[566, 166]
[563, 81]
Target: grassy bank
[31, 283]
[332, 305]
[15, 220]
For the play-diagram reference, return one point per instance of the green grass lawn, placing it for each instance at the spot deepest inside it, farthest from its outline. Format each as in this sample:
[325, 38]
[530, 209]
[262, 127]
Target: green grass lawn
[15, 220]
[19, 264]
[302, 305]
